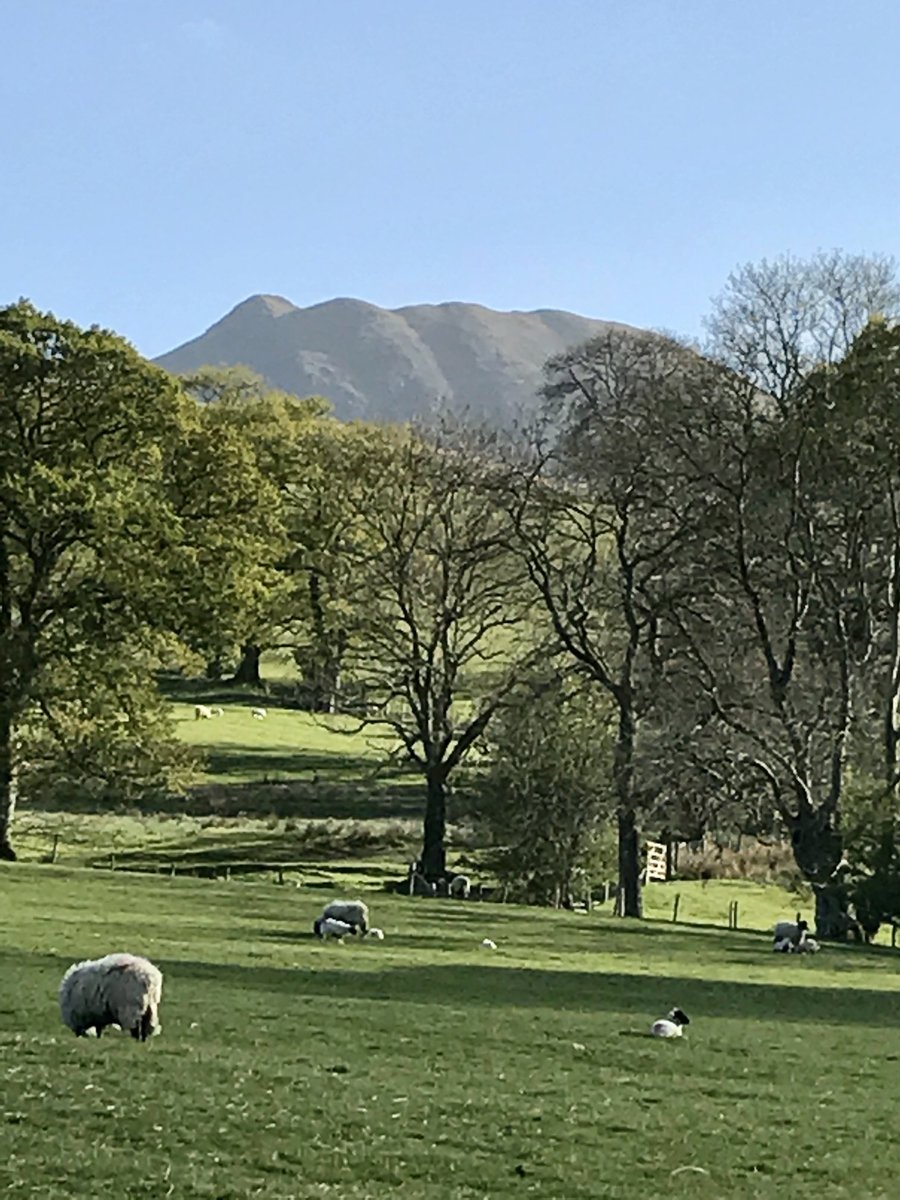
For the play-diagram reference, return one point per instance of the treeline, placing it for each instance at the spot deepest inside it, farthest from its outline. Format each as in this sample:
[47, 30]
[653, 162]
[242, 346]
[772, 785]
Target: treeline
[670, 600]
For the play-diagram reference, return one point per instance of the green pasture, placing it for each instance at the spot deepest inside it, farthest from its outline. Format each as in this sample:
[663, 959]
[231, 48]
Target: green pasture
[429, 1067]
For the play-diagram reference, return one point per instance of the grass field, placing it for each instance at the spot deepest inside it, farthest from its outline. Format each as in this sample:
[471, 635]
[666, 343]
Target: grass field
[425, 1066]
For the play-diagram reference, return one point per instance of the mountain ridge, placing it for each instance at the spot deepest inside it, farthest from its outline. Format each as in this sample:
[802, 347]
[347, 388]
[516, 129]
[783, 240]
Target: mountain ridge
[377, 363]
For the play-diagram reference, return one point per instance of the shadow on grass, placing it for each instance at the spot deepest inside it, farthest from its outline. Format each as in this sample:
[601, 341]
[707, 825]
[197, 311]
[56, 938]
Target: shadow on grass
[585, 992]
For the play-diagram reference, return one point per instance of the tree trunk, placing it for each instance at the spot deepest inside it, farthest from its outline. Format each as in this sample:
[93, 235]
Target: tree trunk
[632, 904]
[818, 849]
[434, 848]
[8, 787]
[248, 667]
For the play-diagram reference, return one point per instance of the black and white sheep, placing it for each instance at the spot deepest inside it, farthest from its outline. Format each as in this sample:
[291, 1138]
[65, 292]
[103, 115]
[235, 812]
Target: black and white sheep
[460, 887]
[672, 1025]
[120, 989]
[353, 912]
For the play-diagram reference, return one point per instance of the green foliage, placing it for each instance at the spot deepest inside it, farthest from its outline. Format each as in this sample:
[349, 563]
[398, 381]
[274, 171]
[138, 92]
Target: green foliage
[546, 796]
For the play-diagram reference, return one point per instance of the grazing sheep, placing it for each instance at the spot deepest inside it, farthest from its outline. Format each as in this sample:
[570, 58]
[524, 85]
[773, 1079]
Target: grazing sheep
[353, 912]
[120, 989]
[807, 945]
[377, 934]
[259, 713]
[791, 929]
[217, 711]
[326, 927]
[672, 1025]
[202, 712]
[460, 887]
[488, 944]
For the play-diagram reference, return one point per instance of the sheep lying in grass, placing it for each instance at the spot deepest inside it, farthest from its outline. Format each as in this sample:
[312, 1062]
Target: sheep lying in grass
[329, 927]
[672, 1025]
[120, 989]
[353, 912]
[259, 713]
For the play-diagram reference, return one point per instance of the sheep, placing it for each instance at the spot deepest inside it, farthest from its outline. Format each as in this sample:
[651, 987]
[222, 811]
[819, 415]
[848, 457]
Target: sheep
[326, 927]
[783, 945]
[120, 989]
[202, 712]
[259, 713]
[217, 711]
[353, 912]
[791, 929]
[377, 934]
[807, 945]
[488, 944]
[460, 887]
[670, 1026]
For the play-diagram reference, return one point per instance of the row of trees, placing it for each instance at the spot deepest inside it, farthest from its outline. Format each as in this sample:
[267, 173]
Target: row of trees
[680, 580]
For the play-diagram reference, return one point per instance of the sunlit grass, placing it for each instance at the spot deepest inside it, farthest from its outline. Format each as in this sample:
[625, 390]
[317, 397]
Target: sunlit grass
[427, 1067]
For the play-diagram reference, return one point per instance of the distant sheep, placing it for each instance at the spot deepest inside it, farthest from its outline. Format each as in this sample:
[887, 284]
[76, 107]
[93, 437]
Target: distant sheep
[217, 711]
[120, 989]
[672, 1025]
[202, 712]
[488, 944]
[354, 912]
[791, 929]
[460, 887]
[377, 934]
[259, 713]
[328, 927]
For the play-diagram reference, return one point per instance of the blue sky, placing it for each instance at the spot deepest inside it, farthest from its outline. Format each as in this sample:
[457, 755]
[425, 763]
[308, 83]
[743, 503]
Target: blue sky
[160, 162]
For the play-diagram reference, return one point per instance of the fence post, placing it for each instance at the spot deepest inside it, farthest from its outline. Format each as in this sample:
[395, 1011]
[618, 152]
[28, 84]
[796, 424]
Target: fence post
[893, 934]
[112, 862]
[171, 870]
[54, 853]
[675, 907]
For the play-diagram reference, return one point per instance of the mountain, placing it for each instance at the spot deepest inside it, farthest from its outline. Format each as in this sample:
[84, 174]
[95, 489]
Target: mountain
[390, 364]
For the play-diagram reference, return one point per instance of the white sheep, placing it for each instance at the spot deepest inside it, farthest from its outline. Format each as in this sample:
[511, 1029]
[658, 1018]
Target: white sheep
[202, 712]
[672, 1025]
[488, 944]
[354, 912]
[807, 945]
[783, 946]
[326, 927]
[460, 887]
[217, 711]
[259, 713]
[120, 989]
[377, 934]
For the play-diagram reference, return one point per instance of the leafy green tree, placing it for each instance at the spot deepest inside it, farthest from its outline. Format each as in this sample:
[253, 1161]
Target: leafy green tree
[545, 795]
[108, 519]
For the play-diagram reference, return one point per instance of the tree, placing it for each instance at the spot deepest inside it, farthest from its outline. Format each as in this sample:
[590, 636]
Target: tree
[105, 502]
[446, 625]
[604, 510]
[777, 632]
[545, 792]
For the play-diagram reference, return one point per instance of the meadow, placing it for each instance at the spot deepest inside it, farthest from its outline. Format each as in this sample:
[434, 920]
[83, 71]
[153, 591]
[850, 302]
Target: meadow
[427, 1066]
[423, 1066]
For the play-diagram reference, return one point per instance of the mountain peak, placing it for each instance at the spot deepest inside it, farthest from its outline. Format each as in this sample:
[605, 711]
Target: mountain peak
[390, 364]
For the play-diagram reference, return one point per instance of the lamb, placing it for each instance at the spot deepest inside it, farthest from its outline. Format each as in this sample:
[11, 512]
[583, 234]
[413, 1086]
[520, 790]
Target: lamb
[488, 944]
[353, 912]
[460, 887]
[120, 989]
[326, 927]
[671, 1026]
[202, 712]
[377, 934]
[259, 713]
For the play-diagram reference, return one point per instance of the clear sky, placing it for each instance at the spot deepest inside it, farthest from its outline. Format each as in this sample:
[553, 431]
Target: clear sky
[160, 161]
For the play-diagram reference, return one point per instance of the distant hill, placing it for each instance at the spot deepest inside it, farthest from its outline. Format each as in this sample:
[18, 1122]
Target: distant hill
[390, 364]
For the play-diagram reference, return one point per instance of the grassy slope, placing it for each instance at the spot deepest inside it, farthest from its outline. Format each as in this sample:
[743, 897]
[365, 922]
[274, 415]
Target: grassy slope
[427, 1067]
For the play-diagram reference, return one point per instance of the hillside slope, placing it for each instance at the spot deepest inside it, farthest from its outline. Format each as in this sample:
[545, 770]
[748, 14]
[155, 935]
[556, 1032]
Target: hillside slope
[390, 364]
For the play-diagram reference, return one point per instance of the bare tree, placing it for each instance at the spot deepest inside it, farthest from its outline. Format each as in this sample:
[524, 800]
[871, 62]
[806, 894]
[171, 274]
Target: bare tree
[604, 511]
[447, 627]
